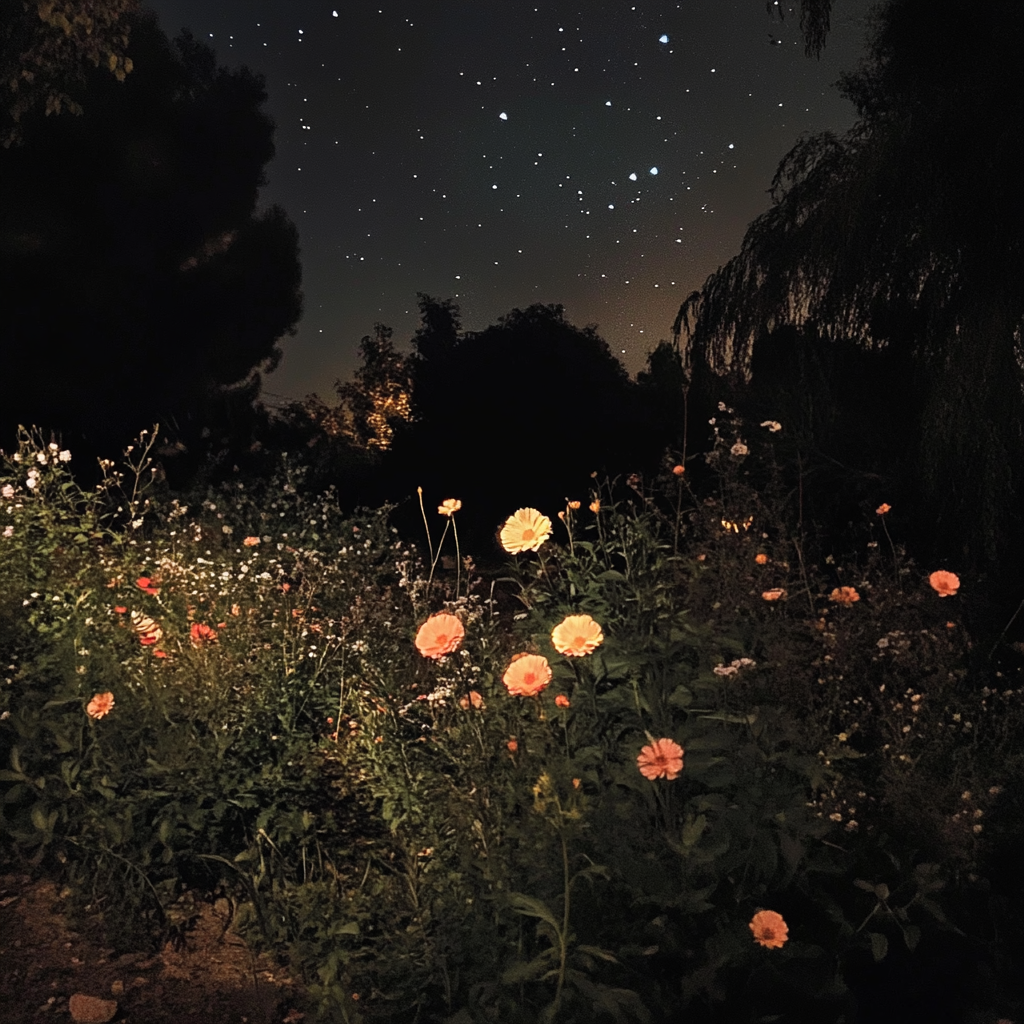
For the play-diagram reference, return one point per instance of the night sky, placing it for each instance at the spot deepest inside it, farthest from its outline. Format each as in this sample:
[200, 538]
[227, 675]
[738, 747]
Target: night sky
[604, 155]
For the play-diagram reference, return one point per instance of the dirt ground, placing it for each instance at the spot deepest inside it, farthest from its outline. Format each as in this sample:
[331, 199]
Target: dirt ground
[213, 979]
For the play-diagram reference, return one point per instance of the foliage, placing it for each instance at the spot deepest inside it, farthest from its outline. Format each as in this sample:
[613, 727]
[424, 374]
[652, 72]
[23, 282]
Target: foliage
[423, 844]
[45, 48]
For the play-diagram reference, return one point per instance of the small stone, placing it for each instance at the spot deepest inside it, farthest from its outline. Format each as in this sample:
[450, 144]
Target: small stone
[117, 988]
[90, 1010]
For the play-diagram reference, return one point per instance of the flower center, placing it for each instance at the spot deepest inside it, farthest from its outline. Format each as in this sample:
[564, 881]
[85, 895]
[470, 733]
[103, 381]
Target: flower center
[527, 534]
[580, 641]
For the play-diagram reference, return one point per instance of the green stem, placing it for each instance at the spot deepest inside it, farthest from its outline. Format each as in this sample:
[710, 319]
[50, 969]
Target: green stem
[563, 935]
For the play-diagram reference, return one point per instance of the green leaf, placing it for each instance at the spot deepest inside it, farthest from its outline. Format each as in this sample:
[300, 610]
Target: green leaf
[531, 971]
[349, 928]
[879, 946]
[882, 891]
[912, 936]
[6, 775]
[529, 906]
[693, 829]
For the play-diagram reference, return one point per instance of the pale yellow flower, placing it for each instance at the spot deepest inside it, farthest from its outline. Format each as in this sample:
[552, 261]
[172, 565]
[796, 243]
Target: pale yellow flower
[526, 530]
[576, 636]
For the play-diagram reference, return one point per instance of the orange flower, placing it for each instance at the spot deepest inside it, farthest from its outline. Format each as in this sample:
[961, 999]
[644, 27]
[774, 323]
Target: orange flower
[120, 609]
[159, 654]
[449, 506]
[439, 635]
[526, 530]
[527, 675]
[562, 701]
[769, 929]
[844, 595]
[945, 584]
[761, 558]
[100, 705]
[576, 783]
[512, 745]
[701, 558]
[576, 636]
[250, 542]
[473, 699]
[146, 584]
[661, 759]
[678, 470]
[882, 509]
[573, 505]
[950, 625]
[774, 595]
[595, 506]
[200, 633]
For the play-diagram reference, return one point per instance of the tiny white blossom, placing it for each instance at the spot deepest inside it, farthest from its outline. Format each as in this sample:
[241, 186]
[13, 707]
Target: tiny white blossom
[739, 449]
[8, 531]
[773, 425]
[64, 456]
[41, 457]
[31, 482]
[8, 491]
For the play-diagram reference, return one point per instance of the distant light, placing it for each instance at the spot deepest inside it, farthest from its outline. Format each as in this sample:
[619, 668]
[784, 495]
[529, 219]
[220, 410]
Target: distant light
[663, 39]
[607, 103]
[632, 177]
[611, 206]
[335, 13]
[654, 170]
[731, 146]
[504, 117]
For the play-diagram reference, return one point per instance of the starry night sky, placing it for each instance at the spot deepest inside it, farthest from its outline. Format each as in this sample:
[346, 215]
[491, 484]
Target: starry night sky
[604, 155]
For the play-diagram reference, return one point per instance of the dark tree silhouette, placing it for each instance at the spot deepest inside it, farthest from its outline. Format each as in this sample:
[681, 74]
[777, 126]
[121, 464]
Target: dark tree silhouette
[906, 234]
[138, 279]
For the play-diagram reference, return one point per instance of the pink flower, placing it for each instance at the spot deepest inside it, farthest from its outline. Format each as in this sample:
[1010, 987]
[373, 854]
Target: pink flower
[945, 584]
[439, 635]
[661, 759]
[100, 705]
[527, 675]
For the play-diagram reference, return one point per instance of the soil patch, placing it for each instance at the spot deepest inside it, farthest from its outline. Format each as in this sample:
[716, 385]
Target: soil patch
[214, 978]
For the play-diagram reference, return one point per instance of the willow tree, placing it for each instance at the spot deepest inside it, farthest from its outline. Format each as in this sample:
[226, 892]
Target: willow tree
[905, 234]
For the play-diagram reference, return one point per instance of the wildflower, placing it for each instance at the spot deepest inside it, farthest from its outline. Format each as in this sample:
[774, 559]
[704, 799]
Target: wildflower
[573, 505]
[882, 509]
[449, 506]
[100, 705]
[512, 745]
[844, 595]
[576, 636]
[146, 584]
[702, 558]
[526, 530]
[527, 675]
[9, 531]
[250, 542]
[945, 584]
[439, 635]
[576, 783]
[678, 470]
[739, 449]
[761, 558]
[660, 759]
[8, 491]
[473, 699]
[159, 654]
[773, 425]
[774, 595]
[31, 482]
[725, 670]
[148, 630]
[562, 701]
[64, 456]
[199, 633]
[769, 929]
[595, 506]
[950, 625]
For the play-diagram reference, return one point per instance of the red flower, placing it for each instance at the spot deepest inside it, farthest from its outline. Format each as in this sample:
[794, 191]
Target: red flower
[159, 654]
[562, 701]
[148, 585]
[200, 633]
[120, 609]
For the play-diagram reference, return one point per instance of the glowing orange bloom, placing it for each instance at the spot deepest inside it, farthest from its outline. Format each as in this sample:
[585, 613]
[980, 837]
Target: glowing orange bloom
[844, 595]
[574, 505]
[527, 675]
[562, 701]
[661, 759]
[512, 745]
[950, 625]
[595, 506]
[200, 634]
[678, 470]
[439, 635]
[473, 699]
[449, 506]
[945, 584]
[526, 530]
[774, 595]
[148, 585]
[882, 509]
[159, 654]
[576, 636]
[120, 609]
[761, 558]
[576, 783]
[100, 705]
[250, 542]
[769, 929]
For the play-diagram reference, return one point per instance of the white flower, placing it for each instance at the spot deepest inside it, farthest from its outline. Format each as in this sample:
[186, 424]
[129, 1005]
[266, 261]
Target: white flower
[52, 447]
[739, 449]
[31, 482]
[725, 670]
[772, 425]
[8, 531]
[41, 457]
[8, 491]
[65, 456]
